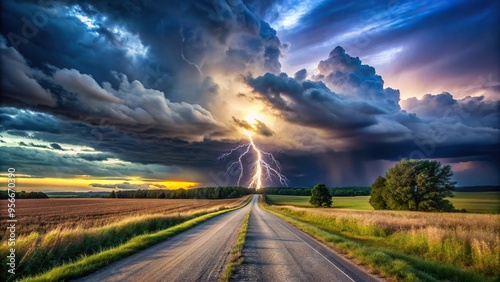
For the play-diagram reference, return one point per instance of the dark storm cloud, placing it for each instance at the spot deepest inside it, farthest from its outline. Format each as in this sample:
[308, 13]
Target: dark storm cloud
[345, 74]
[75, 66]
[77, 60]
[372, 126]
[56, 146]
[109, 138]
[62, 41]
[83, 84]
[130, 106]
[472, 111]
[176, 36]
[300, 75]
[351, 168]
[450, 39]
[333, 169]
[19, 82]
[109, 35]
[95, 157]
[18, 119]
[311, 103]
[34, 145]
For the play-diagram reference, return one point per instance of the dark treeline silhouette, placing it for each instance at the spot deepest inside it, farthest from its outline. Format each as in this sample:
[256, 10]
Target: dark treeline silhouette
[72, 194]
[350, 191]
[295, 191]
[24, 195]
[195, 193]
[334, 191]
[478, 189]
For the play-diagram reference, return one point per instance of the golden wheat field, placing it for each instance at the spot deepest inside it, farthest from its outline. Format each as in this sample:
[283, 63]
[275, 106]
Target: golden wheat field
[44, 215]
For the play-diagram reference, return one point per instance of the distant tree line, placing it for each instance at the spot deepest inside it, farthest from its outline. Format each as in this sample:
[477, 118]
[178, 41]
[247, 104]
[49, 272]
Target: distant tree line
[478, 189]
[295, 191]
[350, 191]
[24, 195]
[195, 193]
[334, 191]
[72, 194]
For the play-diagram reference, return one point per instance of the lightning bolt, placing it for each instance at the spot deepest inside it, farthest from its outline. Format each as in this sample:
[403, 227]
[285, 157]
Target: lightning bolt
[181, 32]
[260, 168]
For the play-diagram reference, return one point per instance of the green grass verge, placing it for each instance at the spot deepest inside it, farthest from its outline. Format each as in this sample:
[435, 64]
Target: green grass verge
[477, 202]
[236, 257]
[384, 261]
[89, 264]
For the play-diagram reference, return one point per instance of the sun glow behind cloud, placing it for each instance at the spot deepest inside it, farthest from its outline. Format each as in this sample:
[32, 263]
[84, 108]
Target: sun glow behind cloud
[253, 119]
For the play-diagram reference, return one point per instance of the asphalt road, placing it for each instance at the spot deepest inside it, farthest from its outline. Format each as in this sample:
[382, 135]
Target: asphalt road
[277, 251]
[274, 251]
[198, 254]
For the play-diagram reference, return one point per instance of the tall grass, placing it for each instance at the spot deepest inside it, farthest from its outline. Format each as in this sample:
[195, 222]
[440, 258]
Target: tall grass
[38, 253]
[469, 241]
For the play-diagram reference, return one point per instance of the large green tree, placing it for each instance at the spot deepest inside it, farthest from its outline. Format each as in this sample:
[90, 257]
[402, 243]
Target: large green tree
[320, 196]
[415, 185]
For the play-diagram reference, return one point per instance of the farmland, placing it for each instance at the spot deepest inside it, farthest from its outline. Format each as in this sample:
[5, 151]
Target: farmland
[481, 202]
[477, 202]
[44, 215]
[52, 231]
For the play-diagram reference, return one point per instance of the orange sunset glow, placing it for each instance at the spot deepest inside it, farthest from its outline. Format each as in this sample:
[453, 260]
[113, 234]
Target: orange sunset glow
[84, 183]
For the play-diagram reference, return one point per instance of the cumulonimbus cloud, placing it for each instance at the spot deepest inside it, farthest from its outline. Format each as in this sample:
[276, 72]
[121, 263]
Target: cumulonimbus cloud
[365, 115]
[131, 106]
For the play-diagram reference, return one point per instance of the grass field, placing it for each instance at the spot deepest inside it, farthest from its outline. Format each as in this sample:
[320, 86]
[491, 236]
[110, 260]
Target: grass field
[358, 202]
[482, 202]
[51, 232]
[408, 246]
[477, 202]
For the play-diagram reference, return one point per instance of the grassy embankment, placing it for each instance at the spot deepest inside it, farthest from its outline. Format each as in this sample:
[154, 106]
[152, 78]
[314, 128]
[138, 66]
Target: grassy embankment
[407, 246]
[236, 258]
[476, 202]
[64, 253]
